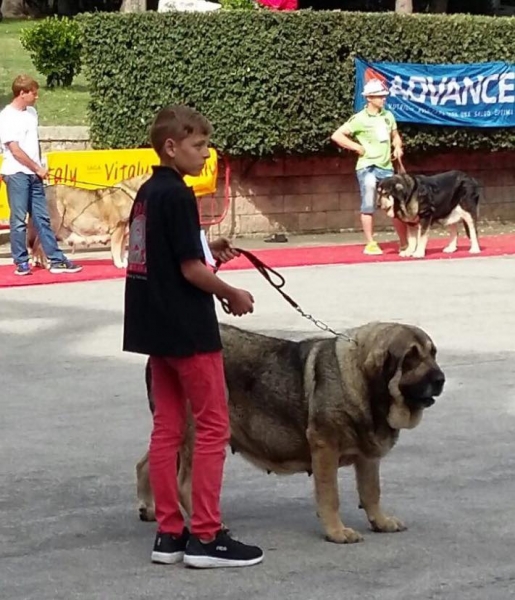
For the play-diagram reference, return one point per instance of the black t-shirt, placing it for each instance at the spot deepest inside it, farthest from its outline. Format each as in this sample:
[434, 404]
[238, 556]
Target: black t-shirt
[164, 314]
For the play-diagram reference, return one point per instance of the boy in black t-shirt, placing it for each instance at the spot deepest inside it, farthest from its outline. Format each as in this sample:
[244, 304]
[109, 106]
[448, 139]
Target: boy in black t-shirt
[170, 316]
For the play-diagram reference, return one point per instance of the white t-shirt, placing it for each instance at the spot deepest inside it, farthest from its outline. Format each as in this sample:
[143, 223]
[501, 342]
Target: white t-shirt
[19, 126]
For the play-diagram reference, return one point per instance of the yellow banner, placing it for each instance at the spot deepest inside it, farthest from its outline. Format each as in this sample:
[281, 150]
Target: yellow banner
[93, 169]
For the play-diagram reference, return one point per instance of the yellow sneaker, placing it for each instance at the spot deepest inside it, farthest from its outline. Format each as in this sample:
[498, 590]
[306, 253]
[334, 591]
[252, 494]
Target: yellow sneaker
[372, 249]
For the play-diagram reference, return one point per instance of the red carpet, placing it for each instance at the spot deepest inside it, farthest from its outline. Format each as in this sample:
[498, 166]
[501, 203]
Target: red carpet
[277, 257]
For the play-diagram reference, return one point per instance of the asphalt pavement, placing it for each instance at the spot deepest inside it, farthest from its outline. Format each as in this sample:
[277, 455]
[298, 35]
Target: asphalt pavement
[74, 421]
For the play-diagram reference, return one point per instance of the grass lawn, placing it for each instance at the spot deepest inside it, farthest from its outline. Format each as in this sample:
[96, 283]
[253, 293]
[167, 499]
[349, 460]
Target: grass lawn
[61, 106]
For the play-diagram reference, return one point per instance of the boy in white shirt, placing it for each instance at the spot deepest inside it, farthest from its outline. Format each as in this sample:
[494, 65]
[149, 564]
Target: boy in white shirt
[23, 175]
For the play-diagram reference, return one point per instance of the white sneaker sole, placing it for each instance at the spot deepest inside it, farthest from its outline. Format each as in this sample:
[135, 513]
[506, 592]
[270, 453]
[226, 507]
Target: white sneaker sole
[210, 562]
[164, 558]
[69, 271]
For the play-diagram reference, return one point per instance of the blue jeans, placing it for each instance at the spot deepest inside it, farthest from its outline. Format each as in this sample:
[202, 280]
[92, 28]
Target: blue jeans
[26, 195]
[368, 179]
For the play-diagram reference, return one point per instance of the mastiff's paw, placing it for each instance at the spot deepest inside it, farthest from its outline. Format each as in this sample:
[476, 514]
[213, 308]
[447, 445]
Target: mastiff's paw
[406, 253]
[120, 264]
[343, 535]
[387, 525]
[450, 248]
[146, 514]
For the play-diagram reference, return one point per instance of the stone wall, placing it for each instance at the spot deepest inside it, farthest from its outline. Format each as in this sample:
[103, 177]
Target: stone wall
[320, 194]
[64, 138]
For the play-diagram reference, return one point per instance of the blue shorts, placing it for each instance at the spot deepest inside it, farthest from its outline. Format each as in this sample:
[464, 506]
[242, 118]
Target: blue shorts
[368, 179]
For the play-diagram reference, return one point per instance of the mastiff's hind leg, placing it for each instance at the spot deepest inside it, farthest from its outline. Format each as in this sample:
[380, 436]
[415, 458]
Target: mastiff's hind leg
[146, 503]
[118, 241]
[470, 223]
[146, 508]
[452, 246]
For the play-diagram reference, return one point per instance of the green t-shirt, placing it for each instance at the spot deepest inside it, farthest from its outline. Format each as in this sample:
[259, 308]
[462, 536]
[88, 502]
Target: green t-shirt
[374, 133]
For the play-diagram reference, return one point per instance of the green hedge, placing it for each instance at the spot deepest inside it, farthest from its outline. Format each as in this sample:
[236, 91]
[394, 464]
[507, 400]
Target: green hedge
[271, 83]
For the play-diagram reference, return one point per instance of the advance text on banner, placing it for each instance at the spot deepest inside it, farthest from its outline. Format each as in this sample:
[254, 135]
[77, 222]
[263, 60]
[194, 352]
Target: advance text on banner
[462, 95]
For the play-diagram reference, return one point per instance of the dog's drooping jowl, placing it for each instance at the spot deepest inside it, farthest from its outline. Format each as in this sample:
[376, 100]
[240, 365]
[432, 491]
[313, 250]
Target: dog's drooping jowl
[317, 405]
[422, 200]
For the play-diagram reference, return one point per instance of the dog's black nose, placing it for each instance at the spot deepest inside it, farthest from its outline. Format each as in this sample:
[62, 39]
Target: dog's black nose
[437, 382]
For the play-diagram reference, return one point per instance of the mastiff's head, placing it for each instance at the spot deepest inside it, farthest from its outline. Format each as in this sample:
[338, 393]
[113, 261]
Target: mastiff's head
[400, 364]
[396, 196]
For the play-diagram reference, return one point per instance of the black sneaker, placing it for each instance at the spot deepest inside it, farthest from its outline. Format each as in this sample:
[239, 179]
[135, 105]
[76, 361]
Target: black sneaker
[23, 269]
[168, 548]
[66, 266]
[223, 551]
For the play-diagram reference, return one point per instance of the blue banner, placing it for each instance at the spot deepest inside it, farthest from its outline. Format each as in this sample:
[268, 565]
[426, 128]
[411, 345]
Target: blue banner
[464, 95]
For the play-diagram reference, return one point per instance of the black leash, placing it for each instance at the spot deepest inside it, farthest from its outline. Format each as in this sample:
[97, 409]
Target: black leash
[401, 168]
[263, 269]
[269, 274]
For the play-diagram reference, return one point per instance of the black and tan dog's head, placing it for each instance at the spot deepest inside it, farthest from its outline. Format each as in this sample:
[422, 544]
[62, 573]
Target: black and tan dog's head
[401, 364]
[397, 196]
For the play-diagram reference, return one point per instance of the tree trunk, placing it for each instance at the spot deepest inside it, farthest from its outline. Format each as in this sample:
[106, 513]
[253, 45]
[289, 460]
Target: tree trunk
[134, 6]
[438, 6]
[15, 9]
[404, 6]
[65, 7]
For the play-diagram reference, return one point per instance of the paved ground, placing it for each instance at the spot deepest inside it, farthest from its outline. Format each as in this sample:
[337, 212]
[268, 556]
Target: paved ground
[74, 421]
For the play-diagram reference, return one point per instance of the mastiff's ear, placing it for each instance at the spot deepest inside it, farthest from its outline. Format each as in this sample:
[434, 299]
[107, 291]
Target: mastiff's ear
[422, 190]
[381, 364]
[391, 356]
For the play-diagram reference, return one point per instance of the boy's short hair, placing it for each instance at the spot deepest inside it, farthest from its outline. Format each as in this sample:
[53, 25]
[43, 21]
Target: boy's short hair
[24, 83]
[177, 122]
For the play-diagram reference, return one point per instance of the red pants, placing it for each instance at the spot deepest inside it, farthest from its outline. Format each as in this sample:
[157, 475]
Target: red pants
[199, 380]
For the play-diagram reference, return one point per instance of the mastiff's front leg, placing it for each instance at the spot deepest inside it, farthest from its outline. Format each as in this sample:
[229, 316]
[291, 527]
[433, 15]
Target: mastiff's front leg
[369, 489]
[412, 232]
[324, 460]
[423, 236]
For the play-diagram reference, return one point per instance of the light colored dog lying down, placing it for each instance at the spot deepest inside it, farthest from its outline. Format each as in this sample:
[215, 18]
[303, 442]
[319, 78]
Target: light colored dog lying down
[86, 217]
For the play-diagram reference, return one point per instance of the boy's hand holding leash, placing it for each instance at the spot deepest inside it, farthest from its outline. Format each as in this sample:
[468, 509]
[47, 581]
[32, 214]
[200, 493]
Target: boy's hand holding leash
[236, 302]
[222, 250]
[240, 302]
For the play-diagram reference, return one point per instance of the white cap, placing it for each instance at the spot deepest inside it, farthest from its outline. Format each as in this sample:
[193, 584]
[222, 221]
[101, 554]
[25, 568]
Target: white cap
[375, 87]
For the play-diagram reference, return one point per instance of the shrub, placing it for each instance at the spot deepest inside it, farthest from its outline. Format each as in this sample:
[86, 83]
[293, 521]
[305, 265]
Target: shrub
[271, 83]
[55, 49]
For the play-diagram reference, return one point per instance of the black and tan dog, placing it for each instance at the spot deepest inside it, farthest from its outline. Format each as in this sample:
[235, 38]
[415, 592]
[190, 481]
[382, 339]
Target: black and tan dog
[317, 405]
[421, 200]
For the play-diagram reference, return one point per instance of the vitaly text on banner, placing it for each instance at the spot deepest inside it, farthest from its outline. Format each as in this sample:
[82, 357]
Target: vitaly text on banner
[464, 95]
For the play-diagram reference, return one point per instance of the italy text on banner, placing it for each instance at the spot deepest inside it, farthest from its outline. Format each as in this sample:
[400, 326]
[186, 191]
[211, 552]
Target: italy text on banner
[91, 169]
[463, 95]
